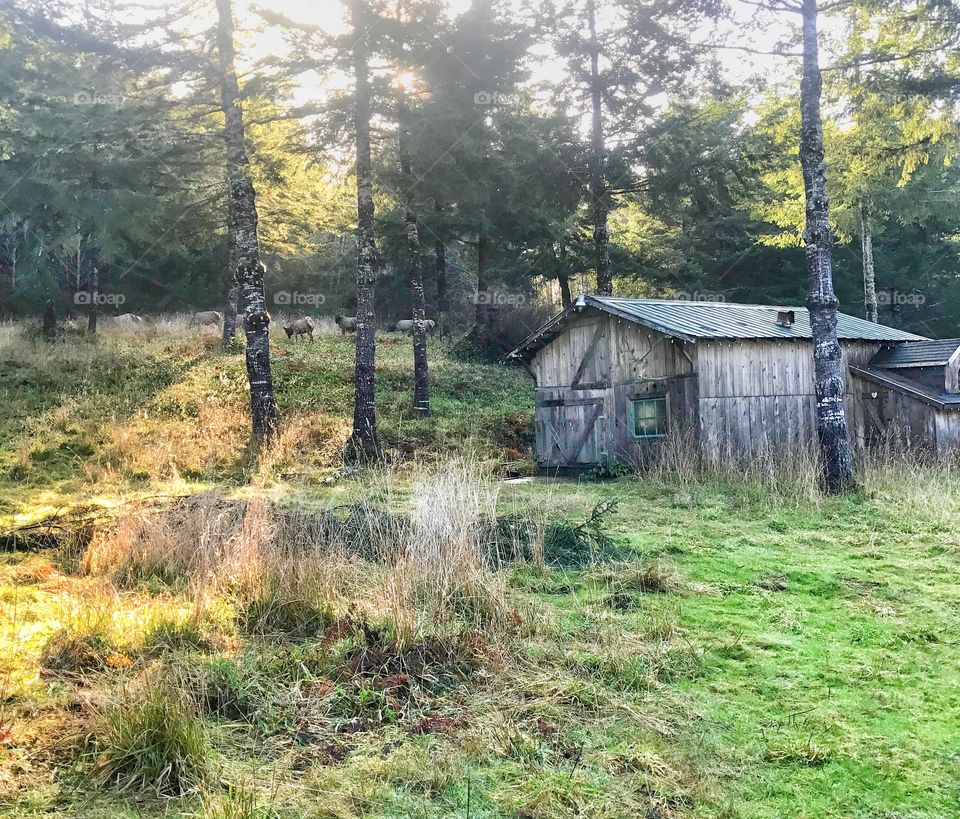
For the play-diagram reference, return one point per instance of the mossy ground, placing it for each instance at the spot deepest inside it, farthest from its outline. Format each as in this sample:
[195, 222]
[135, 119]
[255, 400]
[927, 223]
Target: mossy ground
[740, 655]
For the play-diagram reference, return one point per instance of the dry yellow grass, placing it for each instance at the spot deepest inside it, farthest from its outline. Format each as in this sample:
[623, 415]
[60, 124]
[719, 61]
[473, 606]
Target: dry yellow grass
[423, 572]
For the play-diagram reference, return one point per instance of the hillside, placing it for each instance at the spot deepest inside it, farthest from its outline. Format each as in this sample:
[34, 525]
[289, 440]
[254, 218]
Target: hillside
[286, 639]
[166, 412]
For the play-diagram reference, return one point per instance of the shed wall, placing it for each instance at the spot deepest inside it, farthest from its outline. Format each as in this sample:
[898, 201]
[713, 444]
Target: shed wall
[601, 360]
[734, 396]
[760, 393]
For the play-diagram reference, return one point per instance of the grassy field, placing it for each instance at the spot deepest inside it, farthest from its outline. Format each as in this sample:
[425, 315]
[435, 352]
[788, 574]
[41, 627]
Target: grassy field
[126, 415]
[296, 640]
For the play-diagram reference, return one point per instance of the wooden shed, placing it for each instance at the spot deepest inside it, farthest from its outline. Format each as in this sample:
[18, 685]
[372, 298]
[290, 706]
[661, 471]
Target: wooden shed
[615, 376]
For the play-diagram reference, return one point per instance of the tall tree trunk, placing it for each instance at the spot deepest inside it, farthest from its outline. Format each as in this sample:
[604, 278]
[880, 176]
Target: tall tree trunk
[565, 298]
[421, 376]
[49, 328]
[483, 292]
[598, 192]
[246, 245]
[93, 287]
[233, 288]
[440, 266]
[821, 299]
[364, 444]
[869, 274]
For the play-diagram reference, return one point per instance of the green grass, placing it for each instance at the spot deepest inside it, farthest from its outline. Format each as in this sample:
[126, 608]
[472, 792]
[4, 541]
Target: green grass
[729, 654]
[94, 419]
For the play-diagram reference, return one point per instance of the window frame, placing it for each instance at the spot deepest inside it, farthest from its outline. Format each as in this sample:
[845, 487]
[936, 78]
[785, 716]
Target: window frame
[654, 397]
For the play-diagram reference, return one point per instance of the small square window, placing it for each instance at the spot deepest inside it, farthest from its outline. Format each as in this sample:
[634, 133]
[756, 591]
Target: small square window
[648, 417]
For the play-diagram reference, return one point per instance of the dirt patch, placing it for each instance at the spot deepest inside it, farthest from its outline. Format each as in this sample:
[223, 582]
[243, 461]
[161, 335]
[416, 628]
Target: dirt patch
[432, 663]
[437, 724]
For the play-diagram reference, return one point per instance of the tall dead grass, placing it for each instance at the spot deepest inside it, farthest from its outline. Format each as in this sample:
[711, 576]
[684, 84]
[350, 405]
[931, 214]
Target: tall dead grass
[910, 476]
[416, 563]
[895, 468]
[784, 474]
[441, 566]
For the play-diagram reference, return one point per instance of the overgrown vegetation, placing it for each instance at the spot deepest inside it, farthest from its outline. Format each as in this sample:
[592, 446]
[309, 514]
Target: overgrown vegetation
[699, 641]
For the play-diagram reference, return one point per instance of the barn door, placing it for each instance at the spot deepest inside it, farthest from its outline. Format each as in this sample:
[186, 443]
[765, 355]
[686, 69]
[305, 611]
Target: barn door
[570, 430]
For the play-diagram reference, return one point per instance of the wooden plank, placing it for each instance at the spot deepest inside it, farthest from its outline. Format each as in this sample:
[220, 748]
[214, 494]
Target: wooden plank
[588, 356]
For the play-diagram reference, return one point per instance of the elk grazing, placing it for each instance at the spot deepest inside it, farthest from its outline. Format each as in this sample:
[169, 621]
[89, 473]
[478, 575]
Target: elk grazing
[406, 326]
[206, 318]
[347, 324]
[300, 327]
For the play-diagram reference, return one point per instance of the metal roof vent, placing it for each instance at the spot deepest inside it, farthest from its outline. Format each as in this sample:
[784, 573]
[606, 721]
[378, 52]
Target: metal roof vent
[786, 318]
[580, 303]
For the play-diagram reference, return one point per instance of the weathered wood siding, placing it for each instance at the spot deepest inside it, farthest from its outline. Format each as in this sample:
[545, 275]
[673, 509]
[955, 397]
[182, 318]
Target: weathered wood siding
[760, 393]
[571, 428]
[947, 425]
[586, 378]
[890, 415]
[733, 396]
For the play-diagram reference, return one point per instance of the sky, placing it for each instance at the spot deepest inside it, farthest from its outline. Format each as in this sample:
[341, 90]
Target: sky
[745, 30]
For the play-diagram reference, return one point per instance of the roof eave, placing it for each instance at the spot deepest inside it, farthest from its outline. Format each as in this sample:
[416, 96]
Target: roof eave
[896, 384]
[522, 349]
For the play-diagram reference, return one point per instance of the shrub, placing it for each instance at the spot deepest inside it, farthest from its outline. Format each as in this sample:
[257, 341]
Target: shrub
[578, 544]
[152, 740]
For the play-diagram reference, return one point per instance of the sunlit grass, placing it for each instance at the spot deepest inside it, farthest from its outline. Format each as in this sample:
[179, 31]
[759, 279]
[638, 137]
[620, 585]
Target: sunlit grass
[127, 414]
[727, 644]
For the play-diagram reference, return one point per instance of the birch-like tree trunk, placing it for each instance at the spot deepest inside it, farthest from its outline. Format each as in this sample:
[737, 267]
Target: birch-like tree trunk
[246, 244]
[233, 289]
[421, 375]
[598, 192]
[364, 443]
[821, 299]
[869, 274]
[440, 268]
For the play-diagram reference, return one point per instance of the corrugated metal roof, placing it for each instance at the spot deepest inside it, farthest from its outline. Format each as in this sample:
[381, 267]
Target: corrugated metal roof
[693, 320]
[917, 354]
[702, 319]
